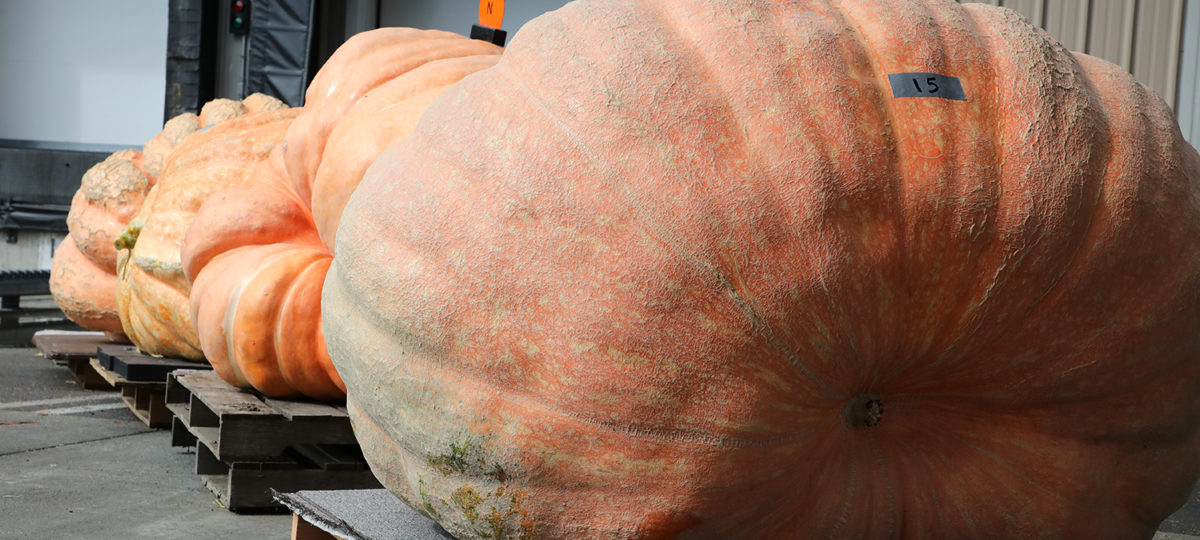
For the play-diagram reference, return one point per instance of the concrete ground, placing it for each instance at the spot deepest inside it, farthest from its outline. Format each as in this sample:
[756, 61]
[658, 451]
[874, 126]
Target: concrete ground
[78, 464]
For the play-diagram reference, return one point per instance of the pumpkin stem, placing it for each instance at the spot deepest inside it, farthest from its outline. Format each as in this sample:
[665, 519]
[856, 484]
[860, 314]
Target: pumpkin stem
[128, 238]
[863, 411]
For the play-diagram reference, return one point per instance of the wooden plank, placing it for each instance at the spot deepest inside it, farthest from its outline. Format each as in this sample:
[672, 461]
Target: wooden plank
[206, 436]
[85, 375]
[294, 409]
[109, 377]
[177, 394]
[303, 530]
[147, 404]
[181, 437]
[222, 399]
[156, 411]
[180, 412]
[207, 462]
[249, 488]
[144, 399]
[246, 445]
[331, 457]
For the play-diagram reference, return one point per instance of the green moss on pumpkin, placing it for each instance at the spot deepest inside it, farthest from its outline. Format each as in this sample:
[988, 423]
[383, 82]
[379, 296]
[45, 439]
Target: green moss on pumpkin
[468, 501]
[466, 458]
[494, 514]
[426, 502]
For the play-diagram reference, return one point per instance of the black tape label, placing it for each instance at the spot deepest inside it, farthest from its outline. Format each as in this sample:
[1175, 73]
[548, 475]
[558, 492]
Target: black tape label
[933, 85]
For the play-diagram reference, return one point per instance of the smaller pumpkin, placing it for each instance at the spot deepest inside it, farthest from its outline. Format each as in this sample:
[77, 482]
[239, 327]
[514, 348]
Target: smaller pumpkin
[83, 273]
[361, 64]
[152, 291]
[85, 290]
[257, 265]
[257, 255]
[159, 147]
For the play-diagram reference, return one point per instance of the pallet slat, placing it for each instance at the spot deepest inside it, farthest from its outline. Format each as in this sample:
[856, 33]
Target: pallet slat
[250, 489]
[85, 374]
[292, 409]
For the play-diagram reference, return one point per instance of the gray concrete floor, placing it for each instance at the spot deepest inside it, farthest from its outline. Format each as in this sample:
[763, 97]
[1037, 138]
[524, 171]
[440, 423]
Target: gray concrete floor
[77, 464]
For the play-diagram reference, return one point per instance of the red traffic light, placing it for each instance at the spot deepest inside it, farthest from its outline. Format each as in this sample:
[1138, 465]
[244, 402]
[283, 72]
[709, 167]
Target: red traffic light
[238, 6]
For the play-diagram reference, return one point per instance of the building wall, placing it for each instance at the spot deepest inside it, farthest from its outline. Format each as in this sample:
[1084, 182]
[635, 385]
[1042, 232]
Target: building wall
[98, 73]
[82, 71]
[32, 250]
[458, 15]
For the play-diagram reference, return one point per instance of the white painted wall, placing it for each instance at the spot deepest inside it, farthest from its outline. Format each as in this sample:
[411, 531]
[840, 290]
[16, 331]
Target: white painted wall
[82, 71]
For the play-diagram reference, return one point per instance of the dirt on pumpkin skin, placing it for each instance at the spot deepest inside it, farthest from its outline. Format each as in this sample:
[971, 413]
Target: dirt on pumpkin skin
[497, 513]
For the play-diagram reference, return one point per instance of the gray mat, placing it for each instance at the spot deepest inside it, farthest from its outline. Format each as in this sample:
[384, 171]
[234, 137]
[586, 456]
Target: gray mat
[367, 514]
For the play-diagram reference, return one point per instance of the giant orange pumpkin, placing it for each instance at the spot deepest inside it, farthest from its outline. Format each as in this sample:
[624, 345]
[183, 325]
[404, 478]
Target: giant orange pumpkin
[702, 268]
[83, 278]
[153, 292]
[83, 275]
[255, 255]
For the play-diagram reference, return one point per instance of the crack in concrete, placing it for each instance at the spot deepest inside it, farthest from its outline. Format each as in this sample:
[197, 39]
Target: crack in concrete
[75, 443]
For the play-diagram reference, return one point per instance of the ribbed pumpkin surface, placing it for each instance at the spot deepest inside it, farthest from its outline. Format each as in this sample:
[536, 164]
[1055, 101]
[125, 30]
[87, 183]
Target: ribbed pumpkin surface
[257, 255]
[690, 267]
[153, 291]
[83, 276]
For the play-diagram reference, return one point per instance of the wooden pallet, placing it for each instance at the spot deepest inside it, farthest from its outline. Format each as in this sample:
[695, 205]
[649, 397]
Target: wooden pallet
[75, 351]
[247, 445]
[144, 398]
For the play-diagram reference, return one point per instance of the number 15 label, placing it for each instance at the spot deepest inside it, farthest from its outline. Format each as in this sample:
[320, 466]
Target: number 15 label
[926, 85]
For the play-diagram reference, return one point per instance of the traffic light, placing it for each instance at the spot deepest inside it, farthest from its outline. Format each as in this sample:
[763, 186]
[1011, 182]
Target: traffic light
[239, 16]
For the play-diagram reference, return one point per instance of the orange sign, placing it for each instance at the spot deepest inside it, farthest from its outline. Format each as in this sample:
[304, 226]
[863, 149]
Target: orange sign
[491, 13]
